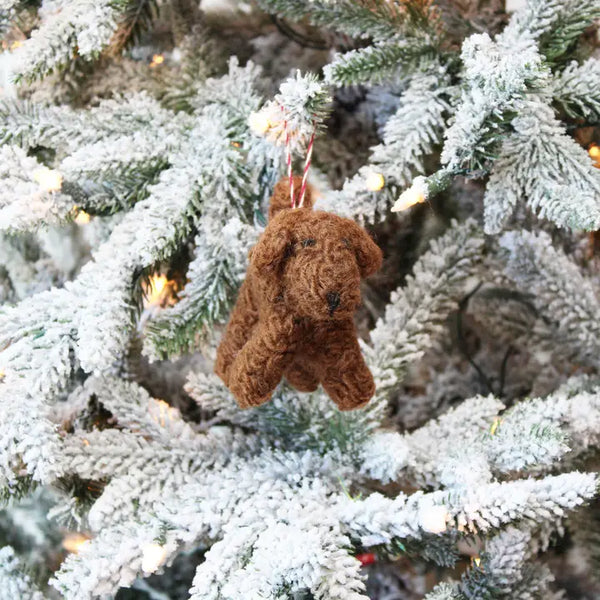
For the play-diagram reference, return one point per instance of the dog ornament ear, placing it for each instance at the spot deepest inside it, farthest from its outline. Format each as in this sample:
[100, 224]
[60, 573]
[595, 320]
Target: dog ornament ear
[368, 254]
[274, 247]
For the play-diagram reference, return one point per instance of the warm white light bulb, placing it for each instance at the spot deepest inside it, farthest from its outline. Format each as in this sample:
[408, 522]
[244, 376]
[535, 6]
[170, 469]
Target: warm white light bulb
[259, 123]
[161, 412]
[48, 179]
[154, 291]
[434, 518]
[73, 542]
[153, 557]
[374, 181]
[82, 218]
[408, 198]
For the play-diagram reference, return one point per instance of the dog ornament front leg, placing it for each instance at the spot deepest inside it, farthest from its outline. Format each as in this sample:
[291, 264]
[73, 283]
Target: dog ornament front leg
[260, 364]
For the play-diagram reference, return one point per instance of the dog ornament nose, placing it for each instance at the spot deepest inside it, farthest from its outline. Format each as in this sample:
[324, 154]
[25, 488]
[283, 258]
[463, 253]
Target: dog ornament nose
[333, 301]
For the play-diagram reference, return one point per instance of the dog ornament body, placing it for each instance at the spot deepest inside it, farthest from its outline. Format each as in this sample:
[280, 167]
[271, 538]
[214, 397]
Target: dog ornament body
[294, 313]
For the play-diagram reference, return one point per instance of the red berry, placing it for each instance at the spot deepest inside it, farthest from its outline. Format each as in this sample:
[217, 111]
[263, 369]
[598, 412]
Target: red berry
[367, 558]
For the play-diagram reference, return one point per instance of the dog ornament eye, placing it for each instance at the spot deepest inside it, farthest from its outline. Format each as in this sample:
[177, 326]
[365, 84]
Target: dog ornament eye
[346, 242]
[308, 242]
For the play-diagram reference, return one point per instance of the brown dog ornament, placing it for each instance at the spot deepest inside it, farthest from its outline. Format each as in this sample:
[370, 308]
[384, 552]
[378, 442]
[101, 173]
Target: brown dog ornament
[294, 313]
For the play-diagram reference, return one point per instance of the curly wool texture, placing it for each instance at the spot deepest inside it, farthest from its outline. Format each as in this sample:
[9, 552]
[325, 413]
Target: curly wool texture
[281, 200]
[294, 313]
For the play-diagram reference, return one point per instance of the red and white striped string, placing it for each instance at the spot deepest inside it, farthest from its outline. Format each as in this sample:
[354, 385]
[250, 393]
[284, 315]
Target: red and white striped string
[307, 162]
[306, 168]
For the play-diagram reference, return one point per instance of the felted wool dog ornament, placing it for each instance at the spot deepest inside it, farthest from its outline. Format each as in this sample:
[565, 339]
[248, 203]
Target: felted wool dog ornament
[294, 313]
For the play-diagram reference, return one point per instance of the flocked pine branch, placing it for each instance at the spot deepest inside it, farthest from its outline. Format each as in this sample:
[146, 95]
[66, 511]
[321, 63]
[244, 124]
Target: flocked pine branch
[43, 364]
[504, 570]
[212, 131]
[445, 591]
[407, 35]
[409, 136]
[67, 130]
[22, 278]
[394, 57]
[71, 28]
[214, 277]
[577, 90]
[377, 519]
[504, 107]
[224, 504]
[464, 448]
[142, 413]
[29, 192]
[158, 451]
[557, 24]
[469, 444]
[562, 294]
[377, 18]
[415, 46]
[417, 311]
[538, 161]
[135, 141]
[496, 73]
[14, 582]
[98, 179]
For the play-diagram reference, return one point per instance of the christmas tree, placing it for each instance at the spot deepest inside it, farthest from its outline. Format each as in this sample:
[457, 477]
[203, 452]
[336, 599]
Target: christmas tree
[140, 142]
